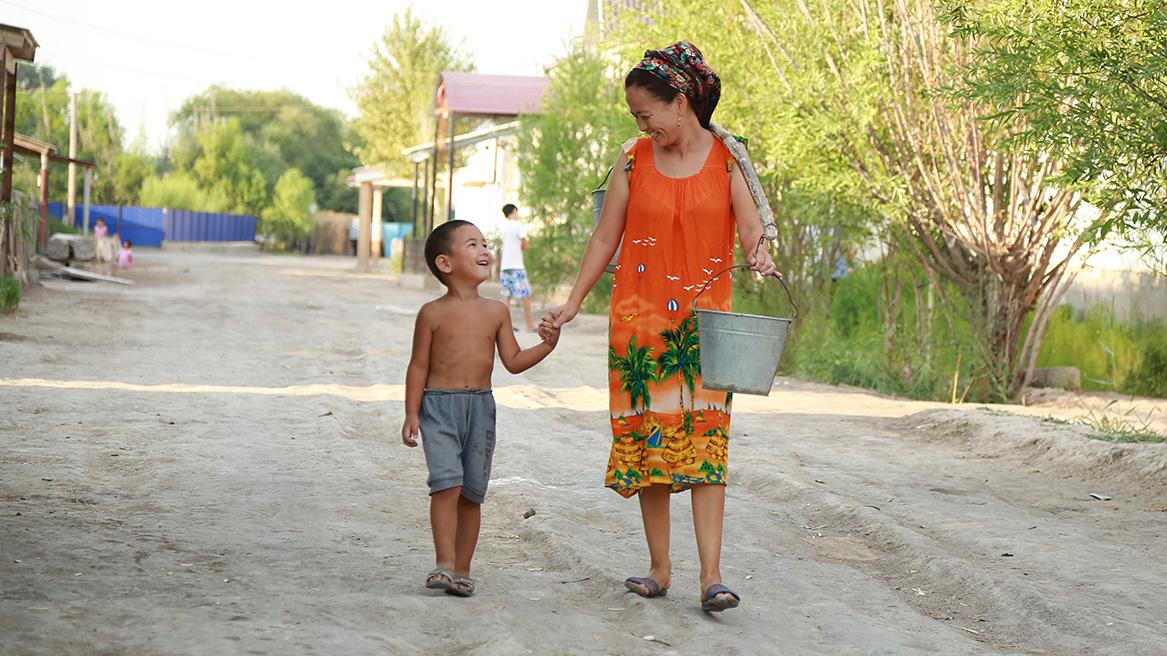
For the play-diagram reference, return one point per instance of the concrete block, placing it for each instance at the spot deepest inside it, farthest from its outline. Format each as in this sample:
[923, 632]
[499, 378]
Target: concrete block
[84, 249]
[1067, 378]
[59, 248]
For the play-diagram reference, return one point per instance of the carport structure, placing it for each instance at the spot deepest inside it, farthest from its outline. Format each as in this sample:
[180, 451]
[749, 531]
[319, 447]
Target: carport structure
[47, 153]
[465, 96]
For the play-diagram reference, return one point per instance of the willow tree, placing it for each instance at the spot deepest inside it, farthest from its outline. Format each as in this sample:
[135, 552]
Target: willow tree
[865, 79]
[396, 97]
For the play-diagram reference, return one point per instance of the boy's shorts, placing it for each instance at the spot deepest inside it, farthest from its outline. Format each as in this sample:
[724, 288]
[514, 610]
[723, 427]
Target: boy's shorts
[514, 283]
[457, 435]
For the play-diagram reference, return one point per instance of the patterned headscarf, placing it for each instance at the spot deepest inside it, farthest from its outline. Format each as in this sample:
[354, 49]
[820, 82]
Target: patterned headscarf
[682, 66]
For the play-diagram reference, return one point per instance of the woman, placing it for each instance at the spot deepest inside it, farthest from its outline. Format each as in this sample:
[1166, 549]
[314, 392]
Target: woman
[675, 198]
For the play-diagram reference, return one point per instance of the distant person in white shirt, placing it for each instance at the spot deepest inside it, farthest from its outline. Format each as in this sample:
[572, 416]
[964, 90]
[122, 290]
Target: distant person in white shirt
[514, 274]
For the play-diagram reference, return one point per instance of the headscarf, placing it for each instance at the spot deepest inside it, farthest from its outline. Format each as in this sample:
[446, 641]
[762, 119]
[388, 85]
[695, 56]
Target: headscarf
[683, 68]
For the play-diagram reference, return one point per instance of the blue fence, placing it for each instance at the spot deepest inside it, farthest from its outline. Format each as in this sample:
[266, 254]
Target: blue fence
[185, 225]
[150, 226]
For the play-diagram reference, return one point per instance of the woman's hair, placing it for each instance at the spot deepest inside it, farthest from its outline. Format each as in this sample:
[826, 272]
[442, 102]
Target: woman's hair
[661, 90]
[642, 79]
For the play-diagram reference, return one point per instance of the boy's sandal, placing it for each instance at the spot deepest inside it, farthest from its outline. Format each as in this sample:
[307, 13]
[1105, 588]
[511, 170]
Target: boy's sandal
[718, 598]
[439, 579]
[645, 587]
[462, 586]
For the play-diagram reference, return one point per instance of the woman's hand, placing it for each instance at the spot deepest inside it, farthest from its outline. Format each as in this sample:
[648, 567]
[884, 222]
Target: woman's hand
[555, 318]
[761, 261]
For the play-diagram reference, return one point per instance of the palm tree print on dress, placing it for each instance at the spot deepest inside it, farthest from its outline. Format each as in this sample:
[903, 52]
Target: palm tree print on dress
[637, 369]
[681, 357]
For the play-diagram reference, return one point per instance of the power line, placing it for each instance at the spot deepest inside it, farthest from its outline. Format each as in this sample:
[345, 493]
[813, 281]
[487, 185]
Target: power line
[129, 69]
[137, 37]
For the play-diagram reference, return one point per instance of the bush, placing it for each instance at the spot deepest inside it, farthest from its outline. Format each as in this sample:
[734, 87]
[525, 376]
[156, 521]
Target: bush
[180, 191]
[9, 294]
[1129, 358]
[1150, 377]
[290, 220]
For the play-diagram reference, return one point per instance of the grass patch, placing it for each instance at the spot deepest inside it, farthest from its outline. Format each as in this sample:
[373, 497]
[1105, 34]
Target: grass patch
[56, 225]
[1124, 427]
[9, 294]
[1129, 358]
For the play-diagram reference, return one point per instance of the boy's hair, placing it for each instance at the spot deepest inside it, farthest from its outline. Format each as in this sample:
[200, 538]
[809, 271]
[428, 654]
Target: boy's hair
[507, 209]
[438, 243]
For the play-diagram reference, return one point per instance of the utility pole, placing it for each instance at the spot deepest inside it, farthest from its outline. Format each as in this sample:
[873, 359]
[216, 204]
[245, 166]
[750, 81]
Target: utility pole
[73, 167]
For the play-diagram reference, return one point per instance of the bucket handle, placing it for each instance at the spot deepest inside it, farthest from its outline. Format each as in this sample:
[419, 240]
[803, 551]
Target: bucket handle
[604, 181]
[709, 282]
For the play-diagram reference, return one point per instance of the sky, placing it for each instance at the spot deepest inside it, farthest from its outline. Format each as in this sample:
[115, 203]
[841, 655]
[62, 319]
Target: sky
[148, 57]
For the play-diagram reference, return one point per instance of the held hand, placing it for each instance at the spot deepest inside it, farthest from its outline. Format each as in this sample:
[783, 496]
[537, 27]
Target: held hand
[761, 262]
[557, 316]
[409, 431]
[549, 334]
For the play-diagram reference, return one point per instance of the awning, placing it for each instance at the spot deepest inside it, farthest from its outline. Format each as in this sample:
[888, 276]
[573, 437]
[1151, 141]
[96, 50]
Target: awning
[424, 151]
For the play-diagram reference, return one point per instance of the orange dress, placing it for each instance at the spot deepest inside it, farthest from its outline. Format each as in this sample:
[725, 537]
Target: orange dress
[679, 232]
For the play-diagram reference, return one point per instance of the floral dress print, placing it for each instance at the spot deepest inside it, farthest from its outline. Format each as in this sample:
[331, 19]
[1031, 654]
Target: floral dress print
[679, 232]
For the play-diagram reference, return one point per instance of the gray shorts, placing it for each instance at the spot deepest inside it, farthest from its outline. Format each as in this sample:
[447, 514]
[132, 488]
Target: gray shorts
[457, 435]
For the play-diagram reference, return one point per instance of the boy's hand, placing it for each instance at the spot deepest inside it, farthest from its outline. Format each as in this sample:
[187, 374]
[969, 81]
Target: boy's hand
[409, 430]
[549, 335]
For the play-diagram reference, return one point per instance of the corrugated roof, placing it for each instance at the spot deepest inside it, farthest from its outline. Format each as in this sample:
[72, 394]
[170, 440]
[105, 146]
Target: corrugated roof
[495, 95]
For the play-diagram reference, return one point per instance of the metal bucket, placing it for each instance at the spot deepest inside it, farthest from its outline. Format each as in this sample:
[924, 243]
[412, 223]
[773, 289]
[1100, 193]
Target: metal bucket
[598, 207]
[740, 352]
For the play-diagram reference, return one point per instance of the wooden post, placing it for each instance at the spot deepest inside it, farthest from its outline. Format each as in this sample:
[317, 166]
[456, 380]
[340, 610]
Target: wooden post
[364, 209]
[72, 189]
[87, 178]
[377, 233]
[413, 200]
[450, 183]
[427, 204]
[9, 133]
[43, 222]
[434, 179]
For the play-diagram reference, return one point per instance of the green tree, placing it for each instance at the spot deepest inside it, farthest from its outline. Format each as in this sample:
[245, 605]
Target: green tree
[396, 97]
[224, 167]
[42, 112]
[637, 369]
[291, 218]
[1081, 81]
[281, 130]
[564, 152]
[179, 190]
[130, 171]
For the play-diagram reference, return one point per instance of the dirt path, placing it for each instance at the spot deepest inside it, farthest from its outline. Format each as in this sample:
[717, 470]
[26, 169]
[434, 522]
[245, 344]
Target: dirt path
[207, 463]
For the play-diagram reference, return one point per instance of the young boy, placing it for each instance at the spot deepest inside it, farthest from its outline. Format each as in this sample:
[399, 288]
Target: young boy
[448, 398]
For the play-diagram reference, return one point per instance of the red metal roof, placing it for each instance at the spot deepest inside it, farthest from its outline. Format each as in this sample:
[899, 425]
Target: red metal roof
[496, 95]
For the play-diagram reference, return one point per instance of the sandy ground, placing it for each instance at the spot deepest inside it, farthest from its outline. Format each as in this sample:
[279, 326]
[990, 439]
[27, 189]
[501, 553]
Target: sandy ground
[208, 463]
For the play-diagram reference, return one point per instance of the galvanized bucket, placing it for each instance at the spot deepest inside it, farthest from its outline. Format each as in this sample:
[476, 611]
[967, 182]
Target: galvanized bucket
[598, 207]
[740, 352]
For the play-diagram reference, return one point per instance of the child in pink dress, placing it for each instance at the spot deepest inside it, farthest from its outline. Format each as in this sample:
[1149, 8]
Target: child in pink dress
[101, 234]
[126, 255]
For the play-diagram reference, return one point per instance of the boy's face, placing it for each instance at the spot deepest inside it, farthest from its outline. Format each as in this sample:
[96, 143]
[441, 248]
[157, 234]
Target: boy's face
[469, 257]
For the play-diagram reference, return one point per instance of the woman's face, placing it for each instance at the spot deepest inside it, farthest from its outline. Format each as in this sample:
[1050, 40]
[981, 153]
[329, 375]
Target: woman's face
[654, 117]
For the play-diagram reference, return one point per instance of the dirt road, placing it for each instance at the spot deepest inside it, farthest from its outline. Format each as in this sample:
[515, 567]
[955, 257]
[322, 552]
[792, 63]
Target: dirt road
[208, 463]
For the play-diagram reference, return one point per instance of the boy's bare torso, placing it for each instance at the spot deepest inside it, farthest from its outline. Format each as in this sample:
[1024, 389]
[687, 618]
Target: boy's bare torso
[462, 349]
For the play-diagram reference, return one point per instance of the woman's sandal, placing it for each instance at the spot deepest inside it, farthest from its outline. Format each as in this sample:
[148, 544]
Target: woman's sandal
[439, 579]
[645, 587]
[462, 586]
[718, 598]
